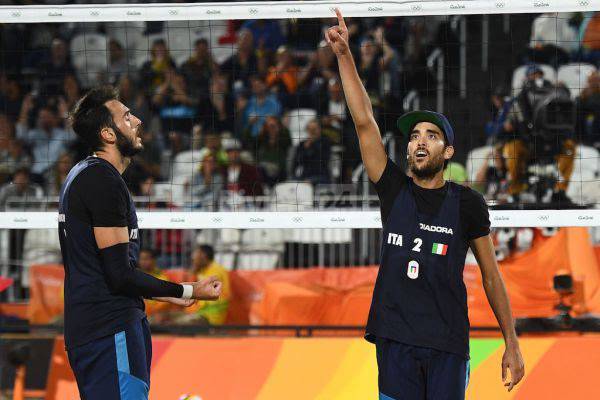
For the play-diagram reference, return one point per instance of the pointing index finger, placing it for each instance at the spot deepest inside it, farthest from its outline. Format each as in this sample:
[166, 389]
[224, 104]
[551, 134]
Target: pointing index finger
[340, 18]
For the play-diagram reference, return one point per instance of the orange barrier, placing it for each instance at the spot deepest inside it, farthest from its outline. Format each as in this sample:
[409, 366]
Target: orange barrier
[339, 369]
[46, 299]
[341, 296]
[528, 277]
[18, 310]
[255, 295]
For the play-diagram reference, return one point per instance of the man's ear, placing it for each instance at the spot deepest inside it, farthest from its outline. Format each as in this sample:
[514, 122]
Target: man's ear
[108, 135]
[448, 152]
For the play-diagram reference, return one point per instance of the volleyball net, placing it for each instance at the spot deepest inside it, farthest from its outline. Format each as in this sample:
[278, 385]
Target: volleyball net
[249, 145]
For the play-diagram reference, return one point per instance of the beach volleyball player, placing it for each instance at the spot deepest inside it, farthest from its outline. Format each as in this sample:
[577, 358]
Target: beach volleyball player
[418, 318]
[106, 331]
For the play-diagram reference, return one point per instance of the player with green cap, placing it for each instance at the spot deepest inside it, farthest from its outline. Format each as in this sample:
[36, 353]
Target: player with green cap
[418, 318]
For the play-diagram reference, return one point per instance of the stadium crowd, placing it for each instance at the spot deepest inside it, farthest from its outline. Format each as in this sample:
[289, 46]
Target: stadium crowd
[233, 113]
[269, 108]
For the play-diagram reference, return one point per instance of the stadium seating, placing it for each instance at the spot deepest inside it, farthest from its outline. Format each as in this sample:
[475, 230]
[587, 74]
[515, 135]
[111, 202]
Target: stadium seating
[89, 54]
[298, 119]
[583, 186]
[574, 76]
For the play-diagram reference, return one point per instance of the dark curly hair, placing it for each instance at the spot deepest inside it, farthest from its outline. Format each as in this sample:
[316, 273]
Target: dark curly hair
[91, 115]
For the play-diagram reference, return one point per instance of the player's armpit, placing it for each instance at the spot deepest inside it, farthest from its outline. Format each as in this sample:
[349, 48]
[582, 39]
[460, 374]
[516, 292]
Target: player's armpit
[109, 236]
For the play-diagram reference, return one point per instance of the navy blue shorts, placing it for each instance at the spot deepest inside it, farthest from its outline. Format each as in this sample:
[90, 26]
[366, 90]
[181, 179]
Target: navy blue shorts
[419, 373]
[115, 367]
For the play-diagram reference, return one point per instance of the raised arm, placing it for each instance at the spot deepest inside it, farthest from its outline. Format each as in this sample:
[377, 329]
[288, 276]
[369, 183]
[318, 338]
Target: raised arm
[371, 147]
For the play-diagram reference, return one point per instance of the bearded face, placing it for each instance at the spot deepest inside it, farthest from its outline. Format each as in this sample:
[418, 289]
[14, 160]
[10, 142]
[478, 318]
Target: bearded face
[127, 128]
[424, 165]
[128, 147]
[426, 151]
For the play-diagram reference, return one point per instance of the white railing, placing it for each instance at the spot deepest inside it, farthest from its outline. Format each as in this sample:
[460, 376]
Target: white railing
[435, 63]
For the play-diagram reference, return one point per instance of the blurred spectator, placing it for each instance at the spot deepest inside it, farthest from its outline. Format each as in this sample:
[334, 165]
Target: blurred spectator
[47, 139]
[312, 80]
[15, 158]
[334, 113]
[157, 311]
[10, 96]
[204, 266]
[283, 76]
[240, 176]
[242, 64]
[117, 62]
[150, 159]
[501, 107]
[23, 195]
[71, 91]
[21, 192]
[56, 176]
[420, 33]
[154, 71]
[390, 66]
[311, 160]
[553, 39]
[589, 36]
[260, 105]
[217, 113]
[207, 186]
[492, 180]
[176, 105]
[266, 33]
[588, 111]
[520, 116]
[147, 263]
[12, 154]
[272, 147]
[53, 70]
[395, 31]
[379, 67]
[212, 144]
[369, 67]
[198, 71]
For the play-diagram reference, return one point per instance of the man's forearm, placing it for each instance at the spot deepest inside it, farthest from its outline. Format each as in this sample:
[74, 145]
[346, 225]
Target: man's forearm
[498, 299]
[356, 96]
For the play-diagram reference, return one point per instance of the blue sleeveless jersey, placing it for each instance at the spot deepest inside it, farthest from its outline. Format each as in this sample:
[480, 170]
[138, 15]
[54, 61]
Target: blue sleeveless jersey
[420, 298]
[91, 310]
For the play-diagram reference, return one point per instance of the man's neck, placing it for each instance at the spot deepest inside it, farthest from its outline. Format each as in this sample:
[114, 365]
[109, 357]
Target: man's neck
[435, 182]
[200, 269]
[115, 159]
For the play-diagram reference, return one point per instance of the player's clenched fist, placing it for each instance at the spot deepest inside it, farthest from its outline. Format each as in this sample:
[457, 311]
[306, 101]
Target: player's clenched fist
[207, 289]
[337, 36]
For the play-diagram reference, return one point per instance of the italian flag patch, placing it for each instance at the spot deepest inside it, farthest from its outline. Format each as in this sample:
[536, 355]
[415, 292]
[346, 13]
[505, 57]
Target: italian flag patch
[439, 248]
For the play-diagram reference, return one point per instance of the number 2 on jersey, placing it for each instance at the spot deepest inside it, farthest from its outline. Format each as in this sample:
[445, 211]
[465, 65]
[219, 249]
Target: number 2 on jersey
[418, 242]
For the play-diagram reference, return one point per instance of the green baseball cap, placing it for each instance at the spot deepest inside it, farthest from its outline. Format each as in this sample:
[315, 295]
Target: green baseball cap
[408, 121]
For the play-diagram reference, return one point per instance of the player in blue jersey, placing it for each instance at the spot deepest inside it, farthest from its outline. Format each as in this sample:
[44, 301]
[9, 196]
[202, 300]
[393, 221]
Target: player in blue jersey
[106, 331]
[418, 318]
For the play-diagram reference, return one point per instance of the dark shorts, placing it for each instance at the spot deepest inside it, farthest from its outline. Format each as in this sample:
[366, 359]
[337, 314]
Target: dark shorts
[418, 373]
[115, 367]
